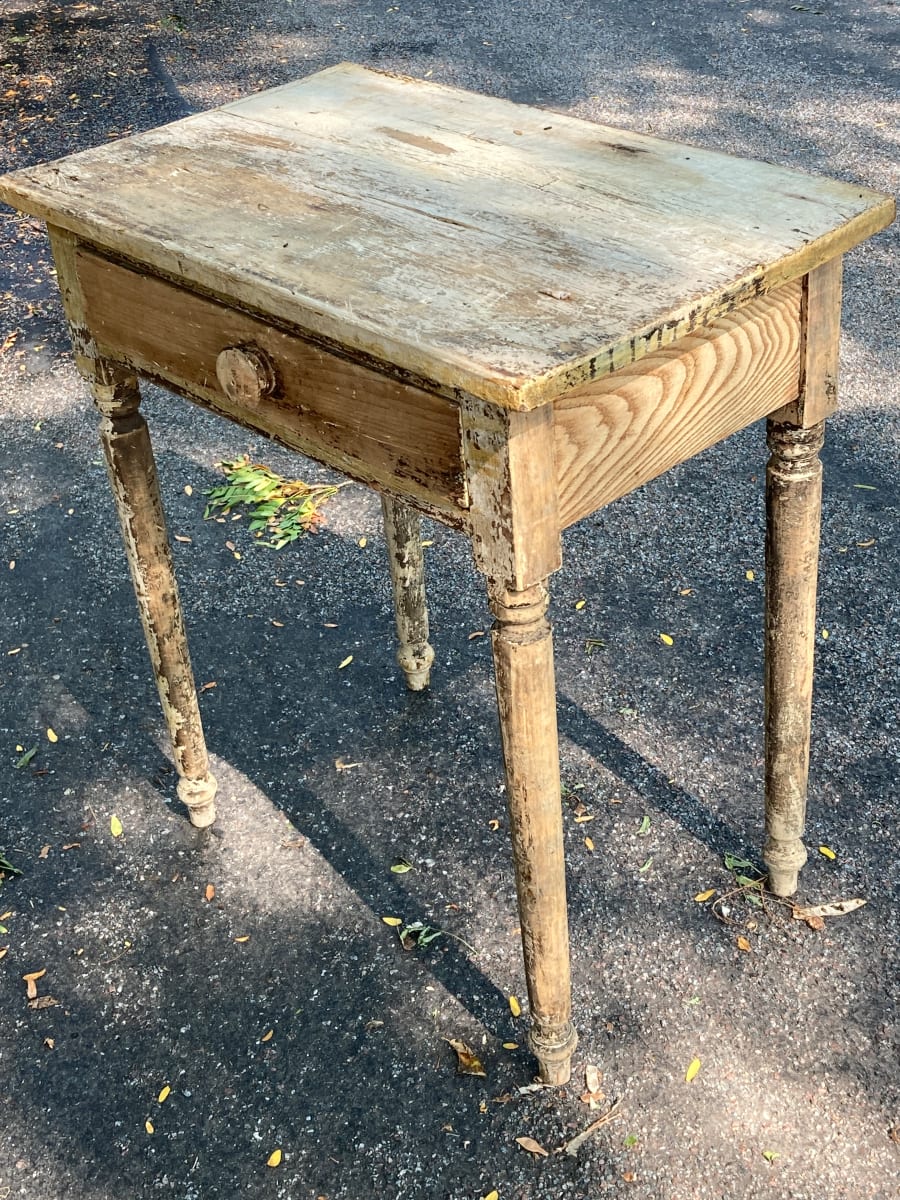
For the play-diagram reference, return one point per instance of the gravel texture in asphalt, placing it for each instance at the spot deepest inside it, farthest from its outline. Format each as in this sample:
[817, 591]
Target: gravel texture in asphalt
[160, 982]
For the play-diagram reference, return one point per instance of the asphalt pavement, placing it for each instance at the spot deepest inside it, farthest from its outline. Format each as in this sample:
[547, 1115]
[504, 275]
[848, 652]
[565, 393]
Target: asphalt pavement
[222, 995]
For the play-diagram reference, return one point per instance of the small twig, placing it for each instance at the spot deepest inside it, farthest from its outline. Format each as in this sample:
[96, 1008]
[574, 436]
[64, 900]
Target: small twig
[574, 1145]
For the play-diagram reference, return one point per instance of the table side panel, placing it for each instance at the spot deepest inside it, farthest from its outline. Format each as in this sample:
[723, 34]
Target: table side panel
[619, 432]
[369, 426]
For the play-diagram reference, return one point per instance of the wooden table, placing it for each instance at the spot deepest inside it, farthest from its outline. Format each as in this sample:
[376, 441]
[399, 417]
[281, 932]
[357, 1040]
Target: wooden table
[499, 316]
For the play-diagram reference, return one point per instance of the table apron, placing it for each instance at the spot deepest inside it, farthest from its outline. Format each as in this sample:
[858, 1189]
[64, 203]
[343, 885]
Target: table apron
[621, 431]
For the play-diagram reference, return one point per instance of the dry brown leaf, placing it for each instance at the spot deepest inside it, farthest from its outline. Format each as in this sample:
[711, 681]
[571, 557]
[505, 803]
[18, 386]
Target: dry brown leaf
[593, 1093]
[838, 908]
[206, 686]
[31, 982]
[743, 944]
[467, 1061]
[71, 845]
[44, 851]
[589, 842]
[628, 1176]
[43, 1002]
[182, 537]
[244, 938]
[267, 1037]
[533, 1147]
[49, 1042]
[702, 897]
[210, 891]
[4, 950]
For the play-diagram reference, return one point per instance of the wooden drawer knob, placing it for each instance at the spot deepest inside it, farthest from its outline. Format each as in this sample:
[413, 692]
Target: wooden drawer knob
[245, 374]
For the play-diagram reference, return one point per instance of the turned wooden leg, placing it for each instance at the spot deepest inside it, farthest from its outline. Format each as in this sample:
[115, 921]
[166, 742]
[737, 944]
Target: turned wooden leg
[793, 509]
[526, 698]
[132, 473]
[407, 563]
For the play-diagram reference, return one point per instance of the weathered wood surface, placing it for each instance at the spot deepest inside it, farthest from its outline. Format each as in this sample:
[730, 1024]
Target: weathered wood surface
[505, 250]
[793, 515]
[406, 559]
[370, 426]
[511, 482]
[621, 431]
[820, 340]
[526, 700]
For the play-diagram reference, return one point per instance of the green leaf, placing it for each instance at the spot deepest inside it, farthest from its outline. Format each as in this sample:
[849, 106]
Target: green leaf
[647, 865]
[401, 867]
[27, 757]
[770, 1155]
[7, 866]
[644, 826]
[733, 863]
[630, 1139]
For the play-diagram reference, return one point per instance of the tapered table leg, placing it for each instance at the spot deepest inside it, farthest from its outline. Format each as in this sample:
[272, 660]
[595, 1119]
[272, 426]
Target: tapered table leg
[793, 514]
[407, 564]
[526, 698]
[132, 473]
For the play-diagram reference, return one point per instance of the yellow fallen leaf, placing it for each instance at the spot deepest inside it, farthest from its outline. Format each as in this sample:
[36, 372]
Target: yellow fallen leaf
[51, 736]
[243, 938]
[692, 1070]
[210, 891]
[267, 1037]
[274, 1159]
[579, 605]
[666, 639]
[164, 1094]
[828, 853]
[427, 542]
[115, 826]
[188, 490]
[515, 1007]
[510, 1045]
[533, 1147]
[392, 921]
[362, 543]
[743, 944]
[825, 635]
[346, 663]
[494, 1195]
[685, 591]
[589, 842]
[580, 820]
[702, 897]
[494, 824]
[467, 1061]
[749, 576]
[148, 1125]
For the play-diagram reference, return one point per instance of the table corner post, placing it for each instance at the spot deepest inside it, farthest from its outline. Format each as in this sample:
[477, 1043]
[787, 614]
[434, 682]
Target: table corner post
[127, 448]
[515, 530]
[795, 435]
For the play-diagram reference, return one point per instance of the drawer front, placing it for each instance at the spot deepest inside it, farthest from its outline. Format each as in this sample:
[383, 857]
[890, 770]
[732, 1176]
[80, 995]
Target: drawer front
[371, 427]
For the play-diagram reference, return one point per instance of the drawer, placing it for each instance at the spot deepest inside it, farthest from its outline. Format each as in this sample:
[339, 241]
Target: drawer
[367, 425]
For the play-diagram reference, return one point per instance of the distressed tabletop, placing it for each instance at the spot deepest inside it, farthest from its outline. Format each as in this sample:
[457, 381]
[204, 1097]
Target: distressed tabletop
[509, 251]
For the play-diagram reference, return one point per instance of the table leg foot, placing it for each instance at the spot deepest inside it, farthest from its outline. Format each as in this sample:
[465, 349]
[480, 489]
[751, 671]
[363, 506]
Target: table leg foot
[793, 514]
[553, 1049]
[198, 797]
[132, 474]
[407, 565]
[526, 699]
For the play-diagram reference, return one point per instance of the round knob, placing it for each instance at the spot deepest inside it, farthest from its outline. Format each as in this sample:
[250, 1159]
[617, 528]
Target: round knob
[245, 374]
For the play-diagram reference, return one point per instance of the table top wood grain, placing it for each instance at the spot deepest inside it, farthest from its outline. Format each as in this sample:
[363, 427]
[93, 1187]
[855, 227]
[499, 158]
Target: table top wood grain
[509, 251]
